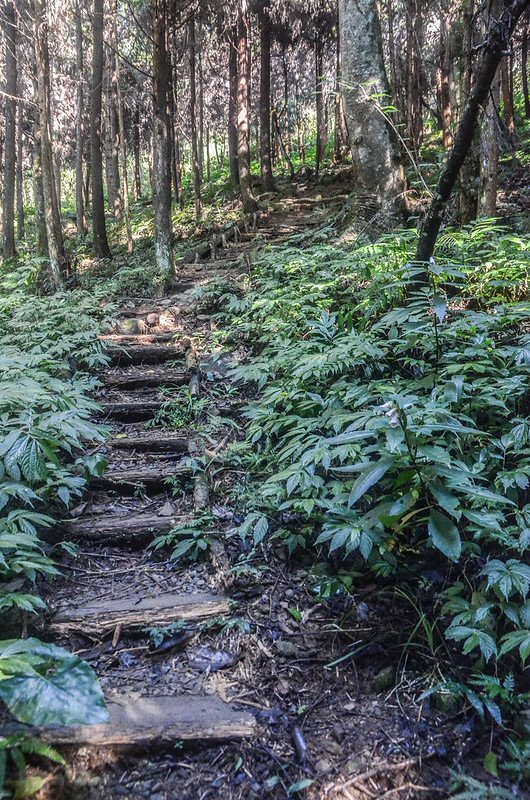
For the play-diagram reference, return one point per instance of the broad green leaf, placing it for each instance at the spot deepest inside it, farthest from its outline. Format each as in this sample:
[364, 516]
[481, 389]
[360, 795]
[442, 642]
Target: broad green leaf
[368, 478]
[58, 688]
[444, 535]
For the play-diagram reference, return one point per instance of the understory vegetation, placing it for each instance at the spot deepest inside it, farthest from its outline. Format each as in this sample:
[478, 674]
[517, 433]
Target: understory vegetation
[389, 438]
[47, 348]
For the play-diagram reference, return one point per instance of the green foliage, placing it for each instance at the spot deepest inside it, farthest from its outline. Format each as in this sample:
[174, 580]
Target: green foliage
[181, 409]
[47, 347]
[188, 540]
[390, 430]
[18, 746]
[464, 787]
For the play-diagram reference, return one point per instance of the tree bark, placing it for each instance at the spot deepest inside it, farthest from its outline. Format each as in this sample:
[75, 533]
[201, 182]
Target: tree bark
[243, 109]
[10, 128]
[121, 135]
[137, 184]
[524, 70]
[161, 144]
[54, 233]
[232, 106]
[489, 154]
[79, 127]
[99, 229]
[375, 152]
[319, 103]
[195, 142]
[265, 101]
[20, 176]
[496, 45]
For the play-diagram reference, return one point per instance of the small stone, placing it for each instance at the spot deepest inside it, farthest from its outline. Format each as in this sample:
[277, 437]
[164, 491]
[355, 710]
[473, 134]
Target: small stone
[152, 319]
[323, 765]
[384, 679]
[157, 796]
[286, 648]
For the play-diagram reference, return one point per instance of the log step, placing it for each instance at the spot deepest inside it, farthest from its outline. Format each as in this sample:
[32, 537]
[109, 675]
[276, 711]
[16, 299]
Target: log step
[138, 612]
[143, 354]
[134, 530]
[145, 378]
[151, 721]
[148, 444]
[132, 412]
[149, 476]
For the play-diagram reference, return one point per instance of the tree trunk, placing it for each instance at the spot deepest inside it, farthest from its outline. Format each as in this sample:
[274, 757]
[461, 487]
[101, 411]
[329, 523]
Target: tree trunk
[137, 185]
[414, 76]
[497, 44]
[243, 109]
[112, 147]
[319, 102]
[489, 155]
[121, 135]
[265, 101]
[524, 70]
[10, 129]
[20, 176]
[443, 78]
[374, 146]
[79, 128]
[54, 233]
[341, 130]
[41, 237]
[195, 143]
[161, 145]
[232, 106]
[99, 229]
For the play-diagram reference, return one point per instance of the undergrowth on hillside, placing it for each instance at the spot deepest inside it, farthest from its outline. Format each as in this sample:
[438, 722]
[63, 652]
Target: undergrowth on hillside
[48, 346]
[390, 433]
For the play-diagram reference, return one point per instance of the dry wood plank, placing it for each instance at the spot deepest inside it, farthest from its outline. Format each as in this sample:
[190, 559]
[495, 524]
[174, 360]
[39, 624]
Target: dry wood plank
[143, 378]
[134, 529]
[149, 444]
[143, 354]
[141, 722]
[137, 611]
[133, 411]
[148, 475]
[137, 338]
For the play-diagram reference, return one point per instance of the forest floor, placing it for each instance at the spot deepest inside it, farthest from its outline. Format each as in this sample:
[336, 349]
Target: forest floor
[223, 682]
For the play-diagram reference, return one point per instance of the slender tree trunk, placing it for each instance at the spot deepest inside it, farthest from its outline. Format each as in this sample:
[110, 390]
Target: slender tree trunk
[10, 129]
[79, 128]
[524, 65]
[443, 76]
[112, 146]
[489, 154]
[54, 233]
[375, 152]
[341, 129]
[161, 179]
[195, 141]
[414, 76]
[287, 127]
[137, 183]
[243, 109]
[121, 135]
[200, 77]
[469, 176]
[41, 237]
[497, 43]
[232, 106]
[319, 98]
[265, 101]
[20, 176]
[99, 228]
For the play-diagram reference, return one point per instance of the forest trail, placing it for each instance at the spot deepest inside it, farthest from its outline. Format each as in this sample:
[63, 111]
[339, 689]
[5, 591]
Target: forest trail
[116, 591]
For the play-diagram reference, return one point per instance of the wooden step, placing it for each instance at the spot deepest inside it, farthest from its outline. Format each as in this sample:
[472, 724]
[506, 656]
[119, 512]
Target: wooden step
[133, 530]
[143, 354]
[142, 722]
[101, 618]
[137, 338]
[150, 444]
[149, 476]
[141, 378]
[132, 411]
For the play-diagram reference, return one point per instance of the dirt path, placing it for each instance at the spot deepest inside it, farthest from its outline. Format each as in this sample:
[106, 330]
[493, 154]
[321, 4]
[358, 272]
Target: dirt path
[242, 699]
